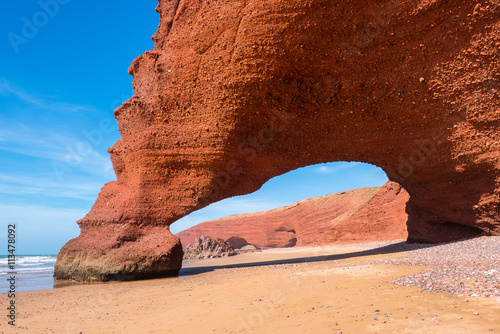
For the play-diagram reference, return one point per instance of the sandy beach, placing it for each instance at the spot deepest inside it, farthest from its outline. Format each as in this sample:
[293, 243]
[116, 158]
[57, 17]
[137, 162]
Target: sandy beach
[333, 289]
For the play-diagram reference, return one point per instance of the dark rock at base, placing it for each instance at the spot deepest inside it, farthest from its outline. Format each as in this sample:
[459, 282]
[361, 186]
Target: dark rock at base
[206, 247]
[110, 254]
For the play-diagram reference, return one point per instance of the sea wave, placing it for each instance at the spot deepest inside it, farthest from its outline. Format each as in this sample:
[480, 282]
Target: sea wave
[29, 264]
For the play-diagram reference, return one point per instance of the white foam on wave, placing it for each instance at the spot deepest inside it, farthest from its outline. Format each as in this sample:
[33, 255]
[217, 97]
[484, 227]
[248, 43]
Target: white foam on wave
[29, 264]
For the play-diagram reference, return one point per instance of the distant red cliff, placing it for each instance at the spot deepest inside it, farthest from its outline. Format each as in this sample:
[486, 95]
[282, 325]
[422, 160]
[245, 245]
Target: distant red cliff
[361, 215]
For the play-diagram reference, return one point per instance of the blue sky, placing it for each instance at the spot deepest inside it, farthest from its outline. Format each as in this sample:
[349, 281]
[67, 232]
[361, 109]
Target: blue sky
[63, 72]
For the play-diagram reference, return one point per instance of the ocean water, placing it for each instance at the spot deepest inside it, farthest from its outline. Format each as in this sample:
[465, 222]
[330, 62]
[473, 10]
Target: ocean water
[36, 272]
[33, 272]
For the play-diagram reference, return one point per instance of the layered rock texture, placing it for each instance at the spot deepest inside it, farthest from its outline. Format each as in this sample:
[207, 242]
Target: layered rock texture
[361, 215]
[204, 246]
[236, 92]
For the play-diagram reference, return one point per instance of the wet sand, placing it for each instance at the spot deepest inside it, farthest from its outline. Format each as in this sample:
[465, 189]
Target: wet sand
[306, 290]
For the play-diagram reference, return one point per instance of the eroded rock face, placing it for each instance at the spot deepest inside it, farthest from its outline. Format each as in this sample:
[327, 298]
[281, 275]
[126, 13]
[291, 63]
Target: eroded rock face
[361, 215]
[204, 246]
[236, 92]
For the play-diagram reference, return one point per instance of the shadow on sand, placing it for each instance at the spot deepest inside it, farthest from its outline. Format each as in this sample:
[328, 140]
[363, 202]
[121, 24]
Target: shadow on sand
[388, 249]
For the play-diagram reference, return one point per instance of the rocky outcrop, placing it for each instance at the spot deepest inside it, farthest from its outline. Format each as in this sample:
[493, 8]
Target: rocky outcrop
[361, 215]
[208, 247]
[236, 92]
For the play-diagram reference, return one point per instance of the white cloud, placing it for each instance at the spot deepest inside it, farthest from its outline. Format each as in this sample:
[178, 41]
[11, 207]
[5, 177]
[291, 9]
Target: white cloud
[53, 140]
[325, 169]
[40, 215]
[334, 168]
[73, 154]
[8, 88]
[24, 185]
[71, 166]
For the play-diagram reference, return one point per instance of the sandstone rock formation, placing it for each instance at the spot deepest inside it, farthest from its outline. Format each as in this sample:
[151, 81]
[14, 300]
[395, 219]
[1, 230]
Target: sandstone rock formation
[361, 215]
[204, 246]
[236, 92]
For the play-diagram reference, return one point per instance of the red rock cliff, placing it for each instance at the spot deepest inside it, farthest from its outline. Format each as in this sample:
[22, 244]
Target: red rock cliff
[361, 215]
[236, 92]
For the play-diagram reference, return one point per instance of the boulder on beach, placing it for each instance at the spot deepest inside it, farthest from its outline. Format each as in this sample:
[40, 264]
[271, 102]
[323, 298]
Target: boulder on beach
[207, 247]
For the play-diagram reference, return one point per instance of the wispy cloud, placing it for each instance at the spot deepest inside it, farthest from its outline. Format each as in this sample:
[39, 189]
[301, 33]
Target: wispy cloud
[25, 185]
[53, 156]
[334, 168]
[40, 215]
[43, 102]
[56, 138]
[73, 153]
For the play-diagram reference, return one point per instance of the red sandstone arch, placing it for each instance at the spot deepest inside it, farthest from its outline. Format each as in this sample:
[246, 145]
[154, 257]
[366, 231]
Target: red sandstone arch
[236, 92]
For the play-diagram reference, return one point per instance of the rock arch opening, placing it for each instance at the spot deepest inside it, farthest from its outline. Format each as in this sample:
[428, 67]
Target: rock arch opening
[311, 206]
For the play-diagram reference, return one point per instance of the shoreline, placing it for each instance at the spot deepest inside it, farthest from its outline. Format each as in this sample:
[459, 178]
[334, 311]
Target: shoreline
[37, 281]
[327, 289]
